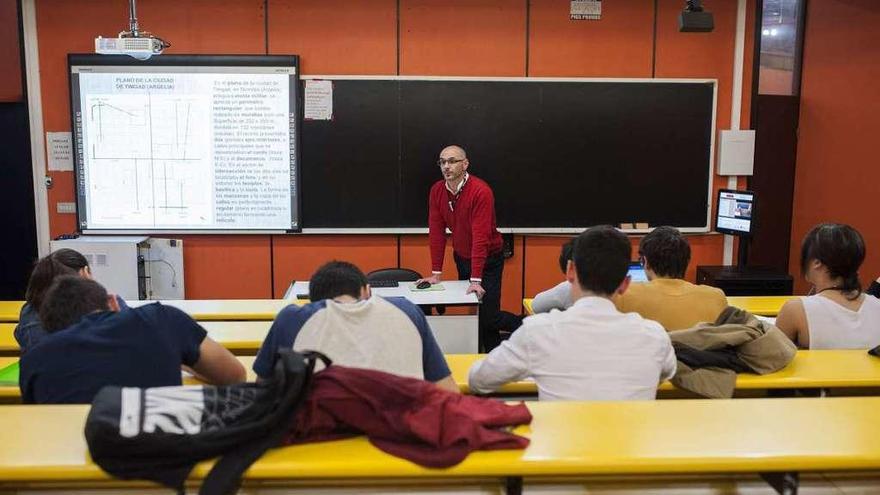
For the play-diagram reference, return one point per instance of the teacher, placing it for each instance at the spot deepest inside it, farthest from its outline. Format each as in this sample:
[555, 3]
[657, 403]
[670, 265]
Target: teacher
[465, 205]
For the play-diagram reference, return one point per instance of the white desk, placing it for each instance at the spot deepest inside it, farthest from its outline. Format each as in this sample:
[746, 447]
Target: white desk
[454, 295]
[455, 334]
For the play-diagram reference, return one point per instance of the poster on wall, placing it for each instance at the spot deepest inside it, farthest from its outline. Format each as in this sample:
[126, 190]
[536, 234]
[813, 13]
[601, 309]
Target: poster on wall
[60, 151]
[318, 100]
[585, 10]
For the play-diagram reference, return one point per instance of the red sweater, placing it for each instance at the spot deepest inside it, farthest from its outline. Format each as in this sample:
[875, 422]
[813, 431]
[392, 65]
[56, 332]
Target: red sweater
[405, 417]
[471, 218]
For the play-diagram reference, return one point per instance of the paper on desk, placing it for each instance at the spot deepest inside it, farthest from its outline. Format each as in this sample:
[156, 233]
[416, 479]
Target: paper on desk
[60, 149]
[318, 100]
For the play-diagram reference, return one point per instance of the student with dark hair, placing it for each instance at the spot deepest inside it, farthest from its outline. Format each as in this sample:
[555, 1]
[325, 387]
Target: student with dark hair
[356, 330]
[91, 344]
[590, 351]
[558, 297]
[838, 315]
[338, 278]
[667, 298]
[29, 330]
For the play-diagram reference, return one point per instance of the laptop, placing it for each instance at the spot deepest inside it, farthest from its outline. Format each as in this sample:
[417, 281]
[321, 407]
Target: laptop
[637, 272]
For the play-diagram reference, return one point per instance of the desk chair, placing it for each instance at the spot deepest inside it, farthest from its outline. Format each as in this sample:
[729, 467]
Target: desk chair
[394, 274]
[402, 275]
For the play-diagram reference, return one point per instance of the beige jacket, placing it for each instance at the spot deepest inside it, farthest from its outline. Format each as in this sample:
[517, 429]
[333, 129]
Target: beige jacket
[760, 345]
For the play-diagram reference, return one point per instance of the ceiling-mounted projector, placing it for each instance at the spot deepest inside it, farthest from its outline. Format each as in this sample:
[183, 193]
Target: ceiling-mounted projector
[139, 48]
[693, 19]
[134, 42]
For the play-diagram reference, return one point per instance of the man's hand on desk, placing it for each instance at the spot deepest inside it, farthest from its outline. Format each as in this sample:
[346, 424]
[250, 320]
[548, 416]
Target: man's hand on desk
[433, 279]
[477, 289]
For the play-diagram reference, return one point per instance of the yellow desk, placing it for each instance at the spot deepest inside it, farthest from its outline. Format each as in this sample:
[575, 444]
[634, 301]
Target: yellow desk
[9, 310]
[568, 439]
[240, 337]
[227, 309]
[199, 309]
[459, 364]
[8, 344]
[809, 369]
[246, 361]
[13, 394]
[757, 305]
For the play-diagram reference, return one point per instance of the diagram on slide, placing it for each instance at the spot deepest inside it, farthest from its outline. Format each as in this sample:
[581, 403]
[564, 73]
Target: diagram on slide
[150, 159]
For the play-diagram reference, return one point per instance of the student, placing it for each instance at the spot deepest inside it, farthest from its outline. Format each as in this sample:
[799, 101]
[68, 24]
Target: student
[354, 329]
[29, 330]
[667, 298]
[590, 351]
[558, 297]
[837, 315]
[92, 344]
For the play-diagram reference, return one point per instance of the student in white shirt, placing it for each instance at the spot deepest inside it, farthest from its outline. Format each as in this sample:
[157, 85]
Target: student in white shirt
[590, 351]
[838, 315]
[559, 296]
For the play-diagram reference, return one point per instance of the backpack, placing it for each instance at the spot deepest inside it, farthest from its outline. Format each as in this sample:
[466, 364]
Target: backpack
[160, 433]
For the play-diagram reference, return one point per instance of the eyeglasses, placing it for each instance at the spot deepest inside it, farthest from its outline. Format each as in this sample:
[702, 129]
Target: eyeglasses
[451, 161]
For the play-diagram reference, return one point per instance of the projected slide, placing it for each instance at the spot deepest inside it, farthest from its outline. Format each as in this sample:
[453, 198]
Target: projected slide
[186, 148]
[149, 175]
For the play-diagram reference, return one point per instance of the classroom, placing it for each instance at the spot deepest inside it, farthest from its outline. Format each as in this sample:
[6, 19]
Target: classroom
[613, 233]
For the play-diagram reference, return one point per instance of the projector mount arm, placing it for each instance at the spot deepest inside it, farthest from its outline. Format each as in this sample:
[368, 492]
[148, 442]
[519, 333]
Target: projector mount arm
[134, 30]
[690, 6]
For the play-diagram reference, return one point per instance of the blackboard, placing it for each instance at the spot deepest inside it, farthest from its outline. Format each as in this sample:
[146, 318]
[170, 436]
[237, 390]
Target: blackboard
[559, 154]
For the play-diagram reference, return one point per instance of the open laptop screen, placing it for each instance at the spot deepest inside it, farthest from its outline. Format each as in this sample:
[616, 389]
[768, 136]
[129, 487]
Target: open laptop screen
[637, 272]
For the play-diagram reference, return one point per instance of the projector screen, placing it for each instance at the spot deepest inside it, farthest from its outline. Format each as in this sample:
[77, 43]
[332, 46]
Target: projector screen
[185, 143]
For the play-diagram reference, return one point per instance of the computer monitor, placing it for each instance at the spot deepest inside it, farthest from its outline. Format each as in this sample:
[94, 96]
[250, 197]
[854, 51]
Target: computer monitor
[637, 272]
[735, 212]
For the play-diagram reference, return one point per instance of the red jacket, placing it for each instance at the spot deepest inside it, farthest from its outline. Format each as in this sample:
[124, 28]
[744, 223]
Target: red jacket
[405, 417]
[470, 217]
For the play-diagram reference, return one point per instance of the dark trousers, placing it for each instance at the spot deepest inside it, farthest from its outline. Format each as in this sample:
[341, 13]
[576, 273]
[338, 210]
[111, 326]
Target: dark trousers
[492, 320]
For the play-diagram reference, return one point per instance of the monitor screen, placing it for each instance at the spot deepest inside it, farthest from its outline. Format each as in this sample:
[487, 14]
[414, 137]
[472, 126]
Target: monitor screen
[736, 211]
[637, 272]
[185, 143]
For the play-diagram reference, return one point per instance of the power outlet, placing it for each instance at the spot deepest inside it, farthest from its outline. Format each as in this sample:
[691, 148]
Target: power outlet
[65, 207]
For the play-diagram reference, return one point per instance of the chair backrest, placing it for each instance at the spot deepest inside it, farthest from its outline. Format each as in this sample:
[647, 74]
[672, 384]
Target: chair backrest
[395, 274]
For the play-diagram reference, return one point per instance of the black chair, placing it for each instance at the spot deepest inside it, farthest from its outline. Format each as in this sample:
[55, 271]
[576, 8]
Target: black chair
[402, 275]
[394, 274]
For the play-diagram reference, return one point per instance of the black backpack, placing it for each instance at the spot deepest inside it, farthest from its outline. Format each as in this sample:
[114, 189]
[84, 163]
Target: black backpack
[159, 434]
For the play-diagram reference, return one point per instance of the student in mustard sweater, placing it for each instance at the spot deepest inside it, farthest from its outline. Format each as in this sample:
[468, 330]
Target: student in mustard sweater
[667, 298]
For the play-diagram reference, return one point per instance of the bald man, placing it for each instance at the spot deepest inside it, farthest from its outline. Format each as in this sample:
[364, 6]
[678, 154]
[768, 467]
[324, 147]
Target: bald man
[465, 205]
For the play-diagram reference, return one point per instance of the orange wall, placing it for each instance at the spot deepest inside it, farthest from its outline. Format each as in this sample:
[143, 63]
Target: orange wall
[839, 125]
[423, 37]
